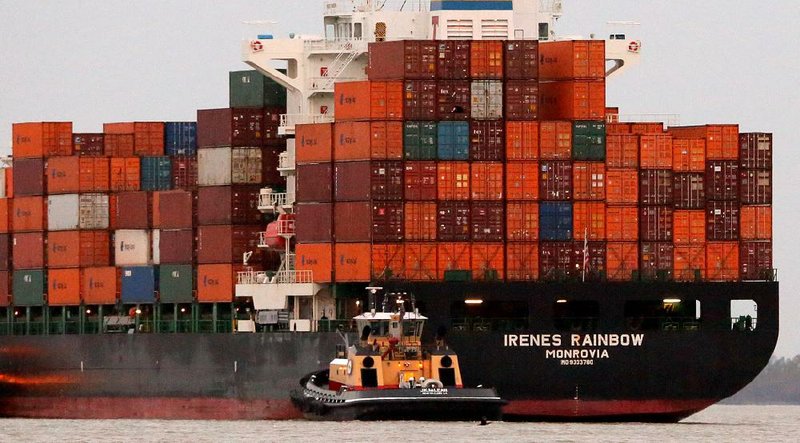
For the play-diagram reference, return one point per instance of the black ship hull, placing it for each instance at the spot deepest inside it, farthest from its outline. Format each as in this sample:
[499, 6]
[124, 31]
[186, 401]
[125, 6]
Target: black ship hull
[607, 364]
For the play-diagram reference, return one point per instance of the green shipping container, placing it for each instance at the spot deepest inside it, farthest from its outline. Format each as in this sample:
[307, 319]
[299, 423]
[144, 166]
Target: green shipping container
[156, 173]
[420, 140]
[251, 89]
[175, 283]
[28, 287]
[589, 140]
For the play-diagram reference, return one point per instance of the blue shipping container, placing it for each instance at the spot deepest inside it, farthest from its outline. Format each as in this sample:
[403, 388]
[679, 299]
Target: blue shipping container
[453, 141]
[156, 174]
[555, 221]
[138, 284]
[180, 138]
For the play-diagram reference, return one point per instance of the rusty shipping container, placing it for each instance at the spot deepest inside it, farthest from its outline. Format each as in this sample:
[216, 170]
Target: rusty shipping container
[555, 180]
[522, 140]
[522, 180]
[315, 183]
[522, 261]
[722, 141]
[314, 223]
[521, 59]
[404, 59]
[755, 187]
[226, 243]
[29, 176]
[755, 222]
[688, 191]
[722, 220]
[419, 180]
[755, 260]
[184, 172]
[420, 99]
[722, 180]
[453, 221]
[755, 150]
[41, 139]
[453, 100]
[453, 59]
[226, 205]
[555, 140]
[572, 100]
[486, 59]
[655, 187]
[622, 260]
[88, 145]
[522, 221]
[572, 59]
[368, 180]
[522, 99]
[589, 181]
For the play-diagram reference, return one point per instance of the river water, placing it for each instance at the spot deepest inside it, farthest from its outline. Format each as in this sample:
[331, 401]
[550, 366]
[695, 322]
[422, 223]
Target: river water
[718, 423]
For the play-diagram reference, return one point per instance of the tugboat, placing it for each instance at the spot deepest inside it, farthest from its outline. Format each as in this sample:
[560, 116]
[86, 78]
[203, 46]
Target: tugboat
[388, 375]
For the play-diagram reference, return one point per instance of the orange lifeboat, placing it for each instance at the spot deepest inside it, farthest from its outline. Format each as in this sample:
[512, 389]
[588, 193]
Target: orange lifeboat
[275, 234]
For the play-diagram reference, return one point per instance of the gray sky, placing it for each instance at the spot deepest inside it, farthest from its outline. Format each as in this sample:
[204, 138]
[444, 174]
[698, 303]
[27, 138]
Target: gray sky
[711, 61]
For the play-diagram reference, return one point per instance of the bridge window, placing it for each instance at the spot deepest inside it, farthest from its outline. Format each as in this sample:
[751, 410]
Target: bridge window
[357, 31]
[744, 315]
[669, 314]
[576, 315]
[544, 31]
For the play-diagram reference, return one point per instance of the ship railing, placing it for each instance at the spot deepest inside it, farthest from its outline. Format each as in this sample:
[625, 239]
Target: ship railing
[288, 121]
[323, 83]
[272, 277]
[275, 199]
[286, 227]
[351, 44]
[667, 119]
[744, 323]
[286, 161]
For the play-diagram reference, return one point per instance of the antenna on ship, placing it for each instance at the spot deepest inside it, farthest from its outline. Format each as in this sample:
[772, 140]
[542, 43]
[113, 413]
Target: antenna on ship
[372, 291]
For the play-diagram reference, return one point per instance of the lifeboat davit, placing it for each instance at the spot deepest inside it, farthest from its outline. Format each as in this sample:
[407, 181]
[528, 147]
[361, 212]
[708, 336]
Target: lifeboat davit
[275, 234]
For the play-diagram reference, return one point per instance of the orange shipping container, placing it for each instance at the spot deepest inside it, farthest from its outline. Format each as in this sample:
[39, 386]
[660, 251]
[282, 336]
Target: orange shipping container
[64, 287]
[31, 140]
[94, 174]
[488, 261]
[722, 261]
[453, 181]
[215, 283]
[722, 141]
[645, 128]
[622, 151]
[522, 180]
[421, 261]
[589, 221]
[756, 222]
[487, 181]
[99, 285]
[388, 261]
[118, 145]
[316, 258]
[622, 186]
[689, 155]
[63, 175]
[689, 227]
[387, 140]
[453, 257]
[573, 100]
[5, 208]
[555, 140]
[351, 141]
[9, 182]
[689, 262]
[486, 59]
[522, 140]
[522, 221]
[572, 59]
[119, 128]
[589, 181]
[655, 151]
[148, 138]
[617, 128]
[314, 143]
[622, 223]
[124, 174]
[368, 100]
[420, 221]
[522, 261]
[622, 260]
[62, 249]
[29, 214]
[352, 262]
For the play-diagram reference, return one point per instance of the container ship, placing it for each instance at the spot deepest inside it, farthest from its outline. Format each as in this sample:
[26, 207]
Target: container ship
[587, 265]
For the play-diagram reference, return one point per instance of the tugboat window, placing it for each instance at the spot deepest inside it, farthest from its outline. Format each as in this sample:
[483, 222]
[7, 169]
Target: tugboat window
[668, 314]
[576, 315]
[744, 315]
[489, 315]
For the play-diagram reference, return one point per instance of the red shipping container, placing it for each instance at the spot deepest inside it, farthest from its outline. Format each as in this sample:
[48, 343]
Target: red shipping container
[722, 261]
[420, 99]
[5, 252]
[622, 151]
[453, 100]
[559, 260]
[486, 59]
[522, 261]
[118, 145]
[6, 209]
[174, 209]
[655, 187]
[9, 182]
[689, 155]
[368, 180]
[689, 227]
[226, 243]
[555, 180]
[88, 145]
[572, 100]
[453, 57]
[315, 183]
[29, 214]
[722, 220]
[176, 246]
[655, 151]
[622, 223]
[522, 99]
[522, 140]
[486, 140]
[487, 221]
[184, 172]
[94, 174]
[453, 221]
[403, 59]
[388, 261]
[722, 141]
[421, 261]
[571, 59]
[690, 263]
[589, 221]
[756, 222]
[487, 180]
[488, 261]
[622, 260]
[722, 180]
[755, 187]
[387, 221]
[622, 186]
[522, 221]
[63, 287]
[351, 141]
[352, 222]
[63, 175]
[755, 150]
[387, 140]
[589, 180]
[99, 285]
[420, 180]
[124, 174]
[656, 260]
[317, 258]
[522, 181]
[655, 223]
[612, 114]
[313, 143]
[453, 257]
[755, 260]
[453, 181]
[28, 175]
[32, 140]
[28, 250]
[314, 222]
[225, 205]
[688, 191]
[521, 59]
[235, 127]
[365, 100]
[555, 140]
[130, 210]
[420, 221]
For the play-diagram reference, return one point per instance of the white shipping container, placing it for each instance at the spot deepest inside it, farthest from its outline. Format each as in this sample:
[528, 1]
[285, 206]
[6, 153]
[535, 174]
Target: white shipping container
[246, 166]
[214, 166]
[131, 247]
[156, 248]
[487, 99]
[63, 213]
[94, 211]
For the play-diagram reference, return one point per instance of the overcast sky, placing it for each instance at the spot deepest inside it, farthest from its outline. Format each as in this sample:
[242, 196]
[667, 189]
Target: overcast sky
[711, 61]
